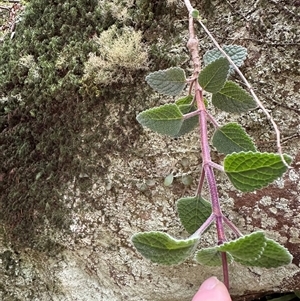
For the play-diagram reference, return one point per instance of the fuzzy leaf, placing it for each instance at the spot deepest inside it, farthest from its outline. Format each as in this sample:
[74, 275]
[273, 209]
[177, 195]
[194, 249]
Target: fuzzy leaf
[237, 53]
[166, 119]
[169, 179]
[169, 82]
[161, 248]
[232, 138]
[193, 212]
[232, 98]
[248, 247]
[211, 257]
[185, 101]
[273, 256]
[249, 171]
[187, 126]
[185, 105]
[213, 77]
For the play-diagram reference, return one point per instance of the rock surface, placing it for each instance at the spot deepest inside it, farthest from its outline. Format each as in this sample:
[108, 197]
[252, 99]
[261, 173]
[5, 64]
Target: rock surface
[97, 260]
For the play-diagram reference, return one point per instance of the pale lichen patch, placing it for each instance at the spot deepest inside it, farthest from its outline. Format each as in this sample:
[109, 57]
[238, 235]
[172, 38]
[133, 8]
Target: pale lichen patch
[119, 49]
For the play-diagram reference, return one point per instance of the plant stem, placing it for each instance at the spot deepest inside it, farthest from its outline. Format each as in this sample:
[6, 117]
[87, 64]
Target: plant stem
[207, 163]
[225, 269]
[236, 231]
[212, 120]
[210, 177]
[200, 184]
[216, 166]
[235, 67]
[191, 114]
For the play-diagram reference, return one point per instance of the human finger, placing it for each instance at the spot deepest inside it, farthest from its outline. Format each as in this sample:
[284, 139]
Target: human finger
[212, 290]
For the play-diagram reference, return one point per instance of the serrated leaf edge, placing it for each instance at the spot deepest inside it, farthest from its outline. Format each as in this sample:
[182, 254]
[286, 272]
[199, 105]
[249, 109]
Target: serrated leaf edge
[250, 139]
[244, 237]
[225, 47]
[209, 66]
[260, 153]
[230, 258]
[168, 235]
[257, 259]
[164, 71]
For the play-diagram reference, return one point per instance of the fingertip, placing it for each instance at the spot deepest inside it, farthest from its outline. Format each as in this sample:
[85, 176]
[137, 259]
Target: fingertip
[212, 289]
[209, 283]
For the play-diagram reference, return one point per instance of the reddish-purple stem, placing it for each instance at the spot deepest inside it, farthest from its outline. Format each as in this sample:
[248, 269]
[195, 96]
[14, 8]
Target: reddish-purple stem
[191, 114]
[225, 269]
[213, 120]
[201, 182]
[210, 177]
[207, 164]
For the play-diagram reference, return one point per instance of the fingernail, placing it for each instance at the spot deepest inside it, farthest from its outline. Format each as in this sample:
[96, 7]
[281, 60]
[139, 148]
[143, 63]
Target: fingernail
[210, 283]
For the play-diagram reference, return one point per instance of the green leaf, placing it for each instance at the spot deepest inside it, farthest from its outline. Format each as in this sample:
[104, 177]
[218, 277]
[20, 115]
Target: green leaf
[187, 126]
[193, 212]
[169, 180]
[237, 53]
[161, 248]
[211, 257]
[249, 171]
[248, 247]
[232, 98]
[186, 105]
[166, 119]
[213, 77]
[186, 101]
[195, 13]
[232, 138]
[250, 250]
[169, 82]
[274, 255]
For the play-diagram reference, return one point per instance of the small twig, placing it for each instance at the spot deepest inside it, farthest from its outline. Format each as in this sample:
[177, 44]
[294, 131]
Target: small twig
[251, 91]
[212, 120]
[236, 231]
[284, 140]
[188, 6]
[265, 42]
[216, 166]
[191, 114]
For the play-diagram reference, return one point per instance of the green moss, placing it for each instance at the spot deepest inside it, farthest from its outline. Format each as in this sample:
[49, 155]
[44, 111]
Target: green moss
[42, 111]
[51, 101]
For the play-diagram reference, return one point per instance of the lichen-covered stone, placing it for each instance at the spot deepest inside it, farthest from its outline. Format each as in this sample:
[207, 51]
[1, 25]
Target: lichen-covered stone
[74, 158]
